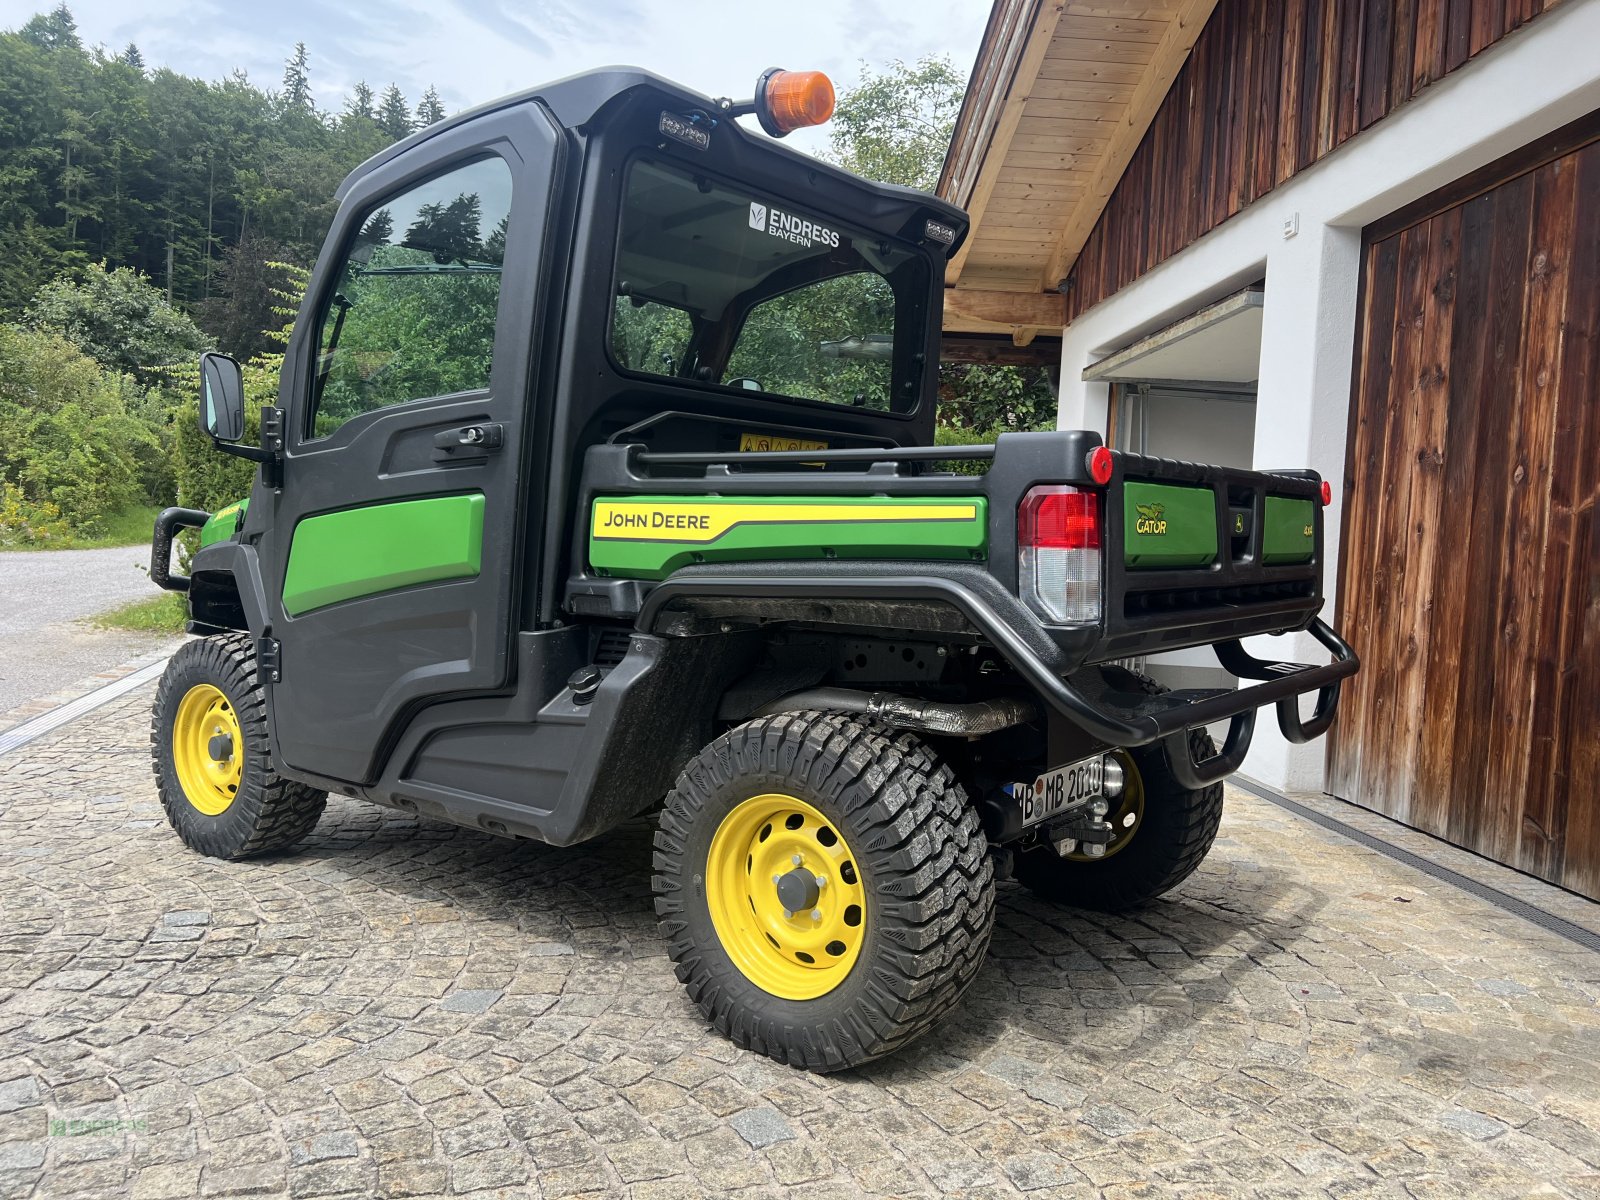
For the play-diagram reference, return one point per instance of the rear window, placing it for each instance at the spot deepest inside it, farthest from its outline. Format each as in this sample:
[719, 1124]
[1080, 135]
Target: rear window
[720, 286]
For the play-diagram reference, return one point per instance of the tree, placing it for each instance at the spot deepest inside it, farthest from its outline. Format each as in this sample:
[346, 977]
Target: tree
[242, 307]
[394, 118]
[449, 233]
[358, 105]
[430, 109]
[119, 319]
[894, 126]
[297, 81]
[55, 30]
[131, 57]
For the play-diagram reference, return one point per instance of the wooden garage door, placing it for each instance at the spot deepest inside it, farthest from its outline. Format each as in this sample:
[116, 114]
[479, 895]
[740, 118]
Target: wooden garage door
[1470, 576]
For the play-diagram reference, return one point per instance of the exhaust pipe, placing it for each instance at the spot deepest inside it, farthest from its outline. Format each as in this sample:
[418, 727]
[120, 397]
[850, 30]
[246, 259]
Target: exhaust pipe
[905, 712]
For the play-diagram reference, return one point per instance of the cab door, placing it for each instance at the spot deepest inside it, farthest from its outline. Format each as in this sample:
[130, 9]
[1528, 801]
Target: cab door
[391, 559]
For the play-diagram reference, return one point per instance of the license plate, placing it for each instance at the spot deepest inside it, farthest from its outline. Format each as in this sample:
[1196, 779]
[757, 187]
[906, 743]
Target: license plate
[1060, 790]
[772, 441]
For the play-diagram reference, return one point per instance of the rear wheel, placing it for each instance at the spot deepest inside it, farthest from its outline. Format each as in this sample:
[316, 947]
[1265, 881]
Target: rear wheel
[209, 745]
[824, 888]
[1161, 832]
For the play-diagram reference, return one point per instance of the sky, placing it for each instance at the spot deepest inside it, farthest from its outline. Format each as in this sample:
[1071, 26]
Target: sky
[476, 50]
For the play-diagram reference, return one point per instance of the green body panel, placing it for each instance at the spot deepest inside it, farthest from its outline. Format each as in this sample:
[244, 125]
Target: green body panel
[649, 537]
[224, 523]
[1289, 532]
[1165, 526]
[362, 551]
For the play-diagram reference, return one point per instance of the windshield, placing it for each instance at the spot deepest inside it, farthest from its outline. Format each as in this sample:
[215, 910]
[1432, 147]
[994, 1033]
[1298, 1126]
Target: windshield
[718, 286]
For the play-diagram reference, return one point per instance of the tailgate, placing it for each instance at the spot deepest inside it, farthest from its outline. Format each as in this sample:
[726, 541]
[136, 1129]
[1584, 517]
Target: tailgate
[1195, 553]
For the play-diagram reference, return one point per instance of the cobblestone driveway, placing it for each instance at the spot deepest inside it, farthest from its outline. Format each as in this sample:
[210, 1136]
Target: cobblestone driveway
[406, 1008]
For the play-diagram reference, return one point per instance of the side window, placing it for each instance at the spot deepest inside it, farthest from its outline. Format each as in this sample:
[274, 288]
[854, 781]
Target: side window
[831, 340]
[413, 313]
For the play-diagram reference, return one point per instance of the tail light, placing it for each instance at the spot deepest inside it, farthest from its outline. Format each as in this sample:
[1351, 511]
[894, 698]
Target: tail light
[1058, 553]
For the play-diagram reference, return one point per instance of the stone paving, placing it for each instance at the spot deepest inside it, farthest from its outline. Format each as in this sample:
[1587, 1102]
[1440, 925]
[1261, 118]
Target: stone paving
[403, 1008]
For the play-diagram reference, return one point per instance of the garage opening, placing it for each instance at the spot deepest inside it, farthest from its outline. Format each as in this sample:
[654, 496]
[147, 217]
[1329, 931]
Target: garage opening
[1188, 391]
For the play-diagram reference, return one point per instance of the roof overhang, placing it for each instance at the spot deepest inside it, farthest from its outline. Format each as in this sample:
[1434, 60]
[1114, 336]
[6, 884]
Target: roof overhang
[1060, 96]
[1219, 344]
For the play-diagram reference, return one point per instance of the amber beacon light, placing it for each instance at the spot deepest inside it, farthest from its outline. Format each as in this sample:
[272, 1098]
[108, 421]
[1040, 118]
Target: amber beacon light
[790, 100]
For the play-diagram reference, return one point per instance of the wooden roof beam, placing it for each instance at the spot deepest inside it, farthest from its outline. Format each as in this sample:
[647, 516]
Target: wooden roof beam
[997, 350]
[999, 143]
[1182, 31]
[1021, 314]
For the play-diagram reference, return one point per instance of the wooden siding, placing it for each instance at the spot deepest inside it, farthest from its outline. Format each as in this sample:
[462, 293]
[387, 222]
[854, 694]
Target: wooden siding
[1270, 87]
[1470, 581]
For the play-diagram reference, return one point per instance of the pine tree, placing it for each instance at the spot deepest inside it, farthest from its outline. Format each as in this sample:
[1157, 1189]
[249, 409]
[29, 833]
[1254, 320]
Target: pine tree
[449, 232]
[132, 57]
[394, 117]
[53, 31]
[429, 109]
[297, 80]
[359, 103]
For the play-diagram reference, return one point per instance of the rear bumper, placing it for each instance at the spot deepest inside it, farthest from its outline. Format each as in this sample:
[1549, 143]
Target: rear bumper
[1017, 635]
[167, 525]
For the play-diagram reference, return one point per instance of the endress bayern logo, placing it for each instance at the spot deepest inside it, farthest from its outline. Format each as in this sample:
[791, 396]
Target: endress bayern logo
[779, 224]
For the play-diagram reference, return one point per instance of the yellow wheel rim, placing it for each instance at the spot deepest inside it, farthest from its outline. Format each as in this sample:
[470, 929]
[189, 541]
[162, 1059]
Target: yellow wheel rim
[207, 749]
[1126, 818]
[786, 897]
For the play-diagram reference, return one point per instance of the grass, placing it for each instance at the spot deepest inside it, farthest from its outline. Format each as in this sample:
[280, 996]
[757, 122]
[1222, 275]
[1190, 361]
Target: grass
[129, 527]
[165, 613]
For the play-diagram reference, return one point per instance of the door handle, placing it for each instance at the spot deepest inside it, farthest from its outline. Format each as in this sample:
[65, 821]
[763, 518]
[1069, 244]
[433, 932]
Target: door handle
[470, 441]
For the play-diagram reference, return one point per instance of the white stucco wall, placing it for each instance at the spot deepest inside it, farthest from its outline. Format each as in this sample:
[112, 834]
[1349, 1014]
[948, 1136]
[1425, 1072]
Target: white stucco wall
[1532, 82]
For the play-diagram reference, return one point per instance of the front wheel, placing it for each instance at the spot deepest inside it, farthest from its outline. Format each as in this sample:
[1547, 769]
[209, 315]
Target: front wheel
[824, 887]
[209, 746]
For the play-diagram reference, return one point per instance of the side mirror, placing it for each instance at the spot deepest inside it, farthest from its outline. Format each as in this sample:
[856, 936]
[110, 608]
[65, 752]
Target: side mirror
[221, 398]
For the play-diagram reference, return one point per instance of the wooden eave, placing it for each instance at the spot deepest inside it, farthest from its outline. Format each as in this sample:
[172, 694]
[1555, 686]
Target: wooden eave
[1060, 96]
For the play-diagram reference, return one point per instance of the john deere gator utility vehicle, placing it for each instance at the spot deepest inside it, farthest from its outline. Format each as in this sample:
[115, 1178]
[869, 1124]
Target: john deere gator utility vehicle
[602, 480]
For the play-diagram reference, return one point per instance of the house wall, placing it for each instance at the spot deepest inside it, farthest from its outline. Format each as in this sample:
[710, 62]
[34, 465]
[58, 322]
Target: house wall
[1305, 238]
[1271, 87]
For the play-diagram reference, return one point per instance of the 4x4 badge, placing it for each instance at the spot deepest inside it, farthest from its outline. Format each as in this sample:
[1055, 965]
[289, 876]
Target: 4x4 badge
[1151, 519]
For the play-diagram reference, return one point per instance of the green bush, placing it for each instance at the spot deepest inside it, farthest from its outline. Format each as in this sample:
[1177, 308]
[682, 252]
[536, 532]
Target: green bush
[119, 319]
[26, 525]
[67, 437]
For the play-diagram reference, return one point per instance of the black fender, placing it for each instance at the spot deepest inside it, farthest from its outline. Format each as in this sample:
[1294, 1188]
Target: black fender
[212, 569]
[1019, 636]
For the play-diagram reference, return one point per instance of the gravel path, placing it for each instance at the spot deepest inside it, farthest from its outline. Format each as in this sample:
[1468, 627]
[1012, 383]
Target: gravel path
[44, 596]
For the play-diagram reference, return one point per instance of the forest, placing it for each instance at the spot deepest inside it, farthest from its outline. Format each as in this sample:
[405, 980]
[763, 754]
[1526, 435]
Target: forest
[147, 215]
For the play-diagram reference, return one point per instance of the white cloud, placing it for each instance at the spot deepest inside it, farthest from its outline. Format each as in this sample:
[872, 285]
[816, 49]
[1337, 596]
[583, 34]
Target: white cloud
[476, 50]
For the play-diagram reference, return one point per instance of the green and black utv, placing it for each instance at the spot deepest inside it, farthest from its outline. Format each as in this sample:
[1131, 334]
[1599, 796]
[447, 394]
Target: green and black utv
[602, 480]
